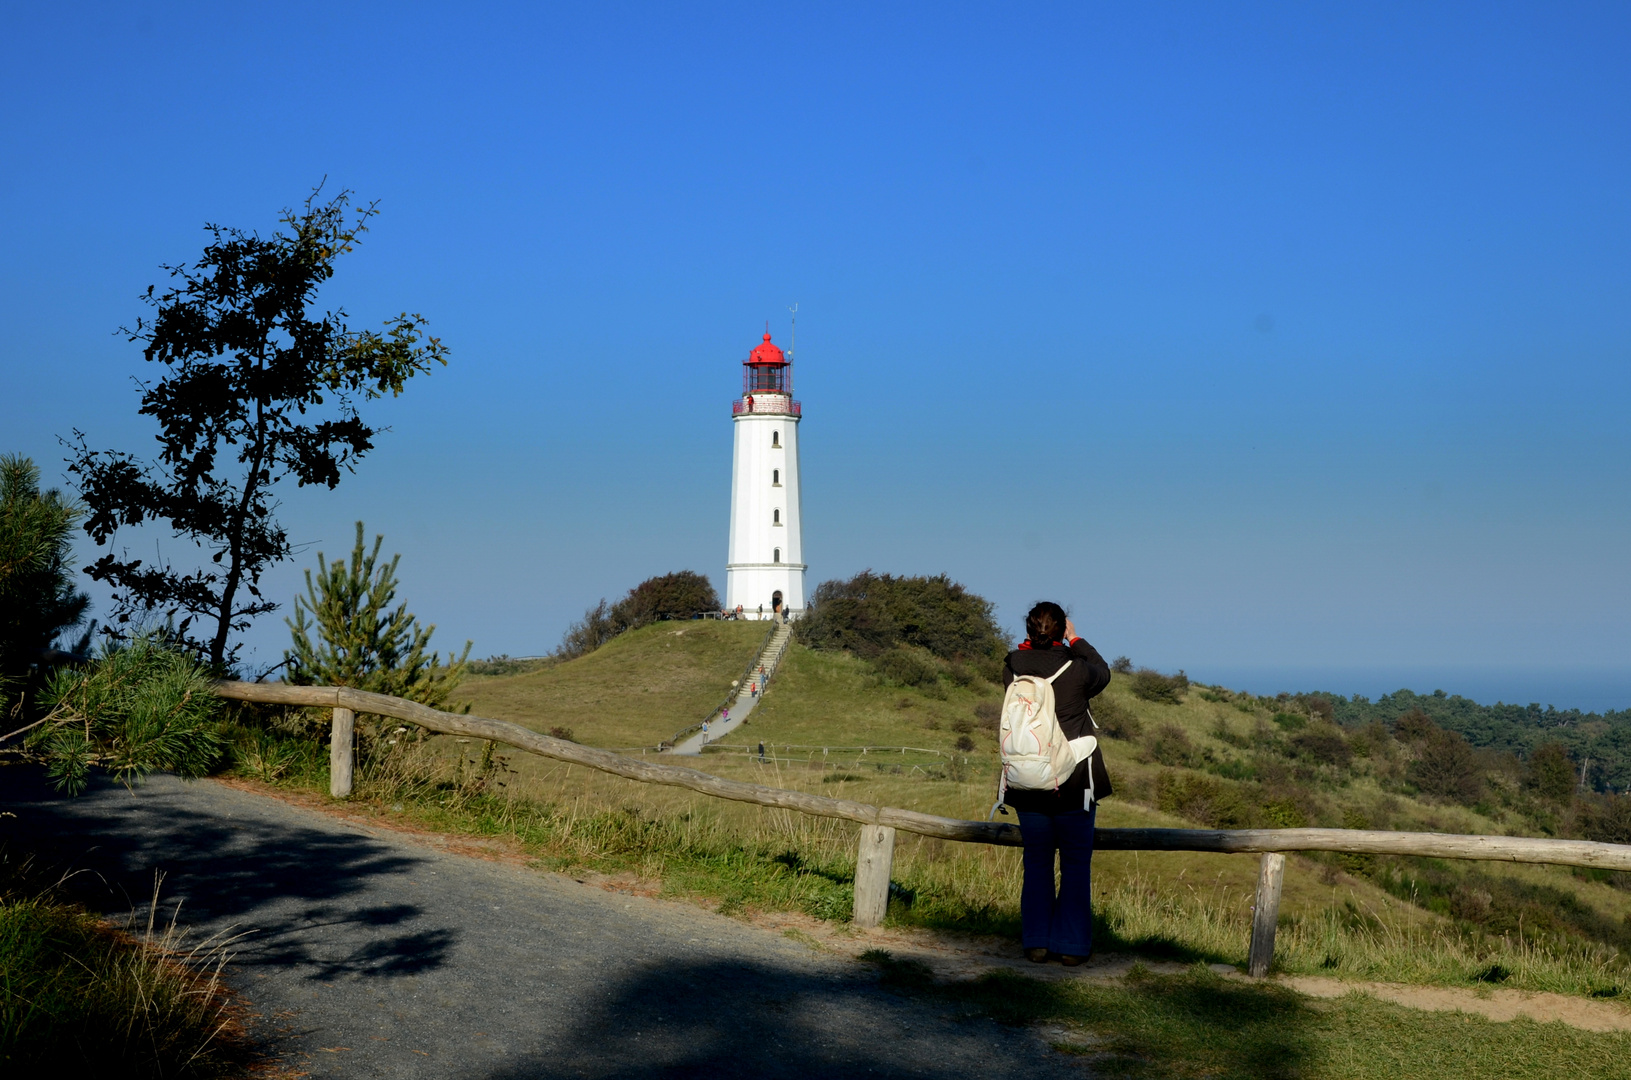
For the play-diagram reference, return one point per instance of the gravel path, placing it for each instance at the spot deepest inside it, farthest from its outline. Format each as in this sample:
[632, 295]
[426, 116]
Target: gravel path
[372, 954]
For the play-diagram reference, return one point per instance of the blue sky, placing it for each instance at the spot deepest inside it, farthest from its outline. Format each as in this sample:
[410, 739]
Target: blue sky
[1308, 326]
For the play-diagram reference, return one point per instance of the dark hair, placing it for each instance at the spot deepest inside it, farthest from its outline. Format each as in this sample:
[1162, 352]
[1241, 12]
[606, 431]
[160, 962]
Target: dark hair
[1045, 624]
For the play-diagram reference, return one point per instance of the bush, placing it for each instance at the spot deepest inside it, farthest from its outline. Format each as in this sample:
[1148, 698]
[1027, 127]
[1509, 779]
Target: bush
[1550, 772]
[965, 743]
[1414, 726]
[1115, 719]
[141, 707]
[1170, 745]
[1153, 686]
[988, 714]
[1323, 743]
[679, 595]
[1448, 768]
[1283, 814]
[870, 614]
[1606, 818]
[905, 667]
[1121, 666]
[1203, 799]
[589, 633]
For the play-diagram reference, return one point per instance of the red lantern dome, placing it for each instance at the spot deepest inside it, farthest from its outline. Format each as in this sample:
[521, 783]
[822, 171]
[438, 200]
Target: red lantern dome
[766, 353]
[767, 382]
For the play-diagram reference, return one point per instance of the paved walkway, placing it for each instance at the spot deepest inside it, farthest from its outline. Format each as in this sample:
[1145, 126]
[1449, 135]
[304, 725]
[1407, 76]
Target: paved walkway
[743, 704]
[374, 954]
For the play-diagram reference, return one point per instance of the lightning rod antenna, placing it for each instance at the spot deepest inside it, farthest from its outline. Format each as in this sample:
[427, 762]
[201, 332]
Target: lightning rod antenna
[793, 338]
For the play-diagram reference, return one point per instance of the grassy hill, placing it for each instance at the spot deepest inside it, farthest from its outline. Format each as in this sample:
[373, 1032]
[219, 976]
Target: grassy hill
[636, 690]
[1206, 757]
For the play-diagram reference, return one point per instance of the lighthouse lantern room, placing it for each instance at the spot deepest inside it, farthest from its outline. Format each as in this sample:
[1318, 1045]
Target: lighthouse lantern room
[764, 573]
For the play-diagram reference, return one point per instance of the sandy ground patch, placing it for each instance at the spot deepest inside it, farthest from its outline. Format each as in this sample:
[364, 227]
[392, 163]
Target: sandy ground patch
[1494, 1004]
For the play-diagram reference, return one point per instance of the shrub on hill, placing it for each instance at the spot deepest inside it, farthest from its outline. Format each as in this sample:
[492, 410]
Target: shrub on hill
[1114, 719]
[904, 666]
[870, 614]
[680, 595]
[1151, 685]
[1550, 773]
[1323, 743]
[1170, 745]
[1448, 768]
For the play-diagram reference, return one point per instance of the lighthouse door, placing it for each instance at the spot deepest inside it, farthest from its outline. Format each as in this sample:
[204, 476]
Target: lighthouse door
[776, 600]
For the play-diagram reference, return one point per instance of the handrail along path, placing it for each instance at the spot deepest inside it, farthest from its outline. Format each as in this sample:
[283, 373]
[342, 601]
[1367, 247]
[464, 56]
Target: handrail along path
[879, 823]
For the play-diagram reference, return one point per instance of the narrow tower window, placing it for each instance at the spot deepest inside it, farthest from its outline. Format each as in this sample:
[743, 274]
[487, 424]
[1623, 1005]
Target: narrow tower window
[776, 555]
[775, 517]
[776, 477]
[775, 440]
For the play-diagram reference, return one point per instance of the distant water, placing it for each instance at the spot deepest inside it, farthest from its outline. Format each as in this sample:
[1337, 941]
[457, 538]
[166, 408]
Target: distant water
[1588, 691]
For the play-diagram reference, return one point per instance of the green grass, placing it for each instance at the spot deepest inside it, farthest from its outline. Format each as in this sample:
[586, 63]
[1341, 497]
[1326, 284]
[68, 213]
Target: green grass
[636, 690]
[1199, 1024]
[1353, 918]
[832, 698]
[78, 997]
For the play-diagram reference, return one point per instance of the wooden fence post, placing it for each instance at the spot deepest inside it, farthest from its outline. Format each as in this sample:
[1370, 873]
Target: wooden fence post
[873, 863]
[340, 753]
[1271, 875]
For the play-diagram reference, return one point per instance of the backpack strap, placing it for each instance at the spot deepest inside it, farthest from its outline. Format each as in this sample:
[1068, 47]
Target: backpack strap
[1060, 672]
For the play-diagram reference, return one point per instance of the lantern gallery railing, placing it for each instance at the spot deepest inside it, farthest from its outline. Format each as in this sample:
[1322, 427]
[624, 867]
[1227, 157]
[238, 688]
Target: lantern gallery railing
[771, 404]
[878, 823]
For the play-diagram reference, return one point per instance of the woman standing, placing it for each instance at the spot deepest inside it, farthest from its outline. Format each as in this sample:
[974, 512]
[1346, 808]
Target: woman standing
[1061, 819]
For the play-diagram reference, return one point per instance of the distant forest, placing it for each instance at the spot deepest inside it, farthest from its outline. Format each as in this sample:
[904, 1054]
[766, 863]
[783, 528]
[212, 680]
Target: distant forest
[1599, 742]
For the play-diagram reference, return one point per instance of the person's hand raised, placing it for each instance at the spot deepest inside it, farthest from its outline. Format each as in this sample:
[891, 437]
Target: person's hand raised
[1070, 630]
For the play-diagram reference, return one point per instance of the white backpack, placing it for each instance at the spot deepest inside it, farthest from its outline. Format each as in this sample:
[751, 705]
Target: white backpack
[1036, 756]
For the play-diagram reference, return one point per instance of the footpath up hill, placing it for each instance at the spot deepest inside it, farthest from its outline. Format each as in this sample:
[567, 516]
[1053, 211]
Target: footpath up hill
[636, 690]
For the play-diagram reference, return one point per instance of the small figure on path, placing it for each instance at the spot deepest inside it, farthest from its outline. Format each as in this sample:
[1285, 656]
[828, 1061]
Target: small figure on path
[705, 731]
[761, 751]
[1059, 819]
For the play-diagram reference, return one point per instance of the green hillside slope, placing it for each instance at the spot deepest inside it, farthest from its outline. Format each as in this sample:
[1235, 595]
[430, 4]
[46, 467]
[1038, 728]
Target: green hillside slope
[1208, 757]
[1225, 760]
[636, 690]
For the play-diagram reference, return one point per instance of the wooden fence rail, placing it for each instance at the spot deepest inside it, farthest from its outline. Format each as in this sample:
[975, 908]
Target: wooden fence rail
[879, 823]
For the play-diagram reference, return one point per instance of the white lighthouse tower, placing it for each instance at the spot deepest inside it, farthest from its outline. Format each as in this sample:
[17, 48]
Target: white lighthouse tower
[764, 573]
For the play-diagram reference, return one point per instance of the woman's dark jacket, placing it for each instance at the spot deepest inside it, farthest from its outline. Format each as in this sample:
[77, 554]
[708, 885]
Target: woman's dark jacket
[1087, 677]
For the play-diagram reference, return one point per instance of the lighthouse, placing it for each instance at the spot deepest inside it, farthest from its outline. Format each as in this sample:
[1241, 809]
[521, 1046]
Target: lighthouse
[764, 572]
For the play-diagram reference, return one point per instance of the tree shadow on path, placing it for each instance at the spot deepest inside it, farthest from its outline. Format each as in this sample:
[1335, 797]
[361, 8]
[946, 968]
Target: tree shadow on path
[747, 1019]
[300, 895]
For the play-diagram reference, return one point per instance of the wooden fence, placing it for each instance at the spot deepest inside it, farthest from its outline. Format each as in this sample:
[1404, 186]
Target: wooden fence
[875, 855]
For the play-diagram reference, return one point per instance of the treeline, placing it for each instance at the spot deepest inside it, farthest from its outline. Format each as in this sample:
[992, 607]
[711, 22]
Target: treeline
[1598, 743]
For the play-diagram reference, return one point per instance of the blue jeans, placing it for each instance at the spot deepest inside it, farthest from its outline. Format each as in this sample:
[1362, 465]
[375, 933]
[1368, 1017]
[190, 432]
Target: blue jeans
[1064, 923]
